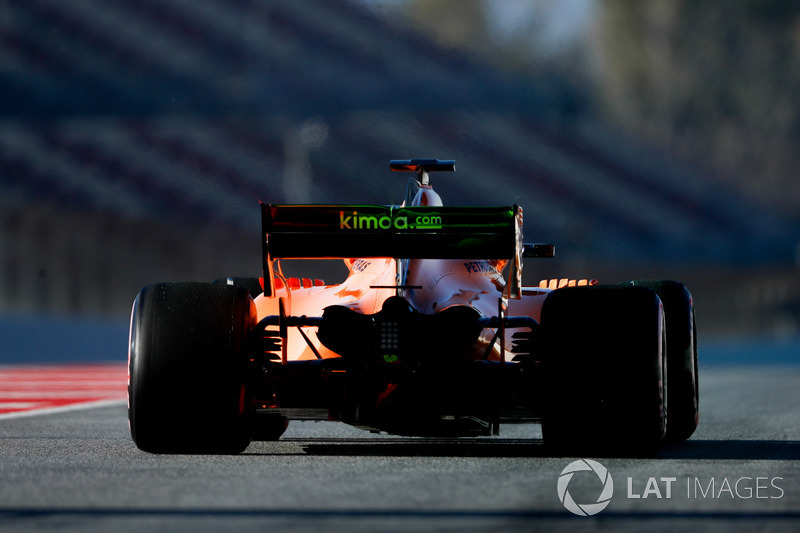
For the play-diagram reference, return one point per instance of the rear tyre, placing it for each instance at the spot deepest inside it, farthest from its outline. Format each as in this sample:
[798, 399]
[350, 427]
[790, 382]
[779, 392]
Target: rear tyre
[187, 360]
[604, 370]
[253, 285]
[684, 392]
[268, 427]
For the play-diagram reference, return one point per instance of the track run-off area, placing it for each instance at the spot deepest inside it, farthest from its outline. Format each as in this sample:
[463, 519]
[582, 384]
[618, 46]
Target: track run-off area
[44, 389]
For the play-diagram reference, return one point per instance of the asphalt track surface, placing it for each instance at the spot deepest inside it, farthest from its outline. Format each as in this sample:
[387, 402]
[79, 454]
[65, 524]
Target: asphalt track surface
[77, 470]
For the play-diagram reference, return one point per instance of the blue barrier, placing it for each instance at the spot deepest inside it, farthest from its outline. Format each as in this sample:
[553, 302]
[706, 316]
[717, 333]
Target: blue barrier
[750, 351]
[26, 339]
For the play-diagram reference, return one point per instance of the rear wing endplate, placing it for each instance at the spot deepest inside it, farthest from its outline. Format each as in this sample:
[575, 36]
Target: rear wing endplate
[356, 231]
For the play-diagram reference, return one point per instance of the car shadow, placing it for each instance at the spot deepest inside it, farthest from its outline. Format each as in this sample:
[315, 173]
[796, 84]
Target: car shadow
[774, 450]
[769, 450]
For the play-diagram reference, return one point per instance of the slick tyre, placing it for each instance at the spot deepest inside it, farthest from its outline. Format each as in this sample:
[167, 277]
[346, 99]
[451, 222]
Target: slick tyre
[683, 379]
[253, 285]
[604, 370]
[268, 427]
[187, 358]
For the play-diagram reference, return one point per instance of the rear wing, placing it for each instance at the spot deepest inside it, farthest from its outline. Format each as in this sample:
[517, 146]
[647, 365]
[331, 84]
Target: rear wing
[355, 231]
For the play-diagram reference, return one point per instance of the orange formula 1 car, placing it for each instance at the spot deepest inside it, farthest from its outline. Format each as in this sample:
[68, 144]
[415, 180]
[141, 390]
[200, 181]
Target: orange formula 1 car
[425, 337]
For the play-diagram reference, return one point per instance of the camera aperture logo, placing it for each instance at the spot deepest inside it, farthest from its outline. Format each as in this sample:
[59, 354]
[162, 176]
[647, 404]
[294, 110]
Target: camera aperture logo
[593, 468]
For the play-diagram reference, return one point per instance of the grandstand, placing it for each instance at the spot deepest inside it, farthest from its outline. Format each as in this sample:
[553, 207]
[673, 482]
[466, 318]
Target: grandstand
[148, 130]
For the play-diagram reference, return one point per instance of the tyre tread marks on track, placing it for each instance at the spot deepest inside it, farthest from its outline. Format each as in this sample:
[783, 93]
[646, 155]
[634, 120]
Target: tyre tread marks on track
[39, 389]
